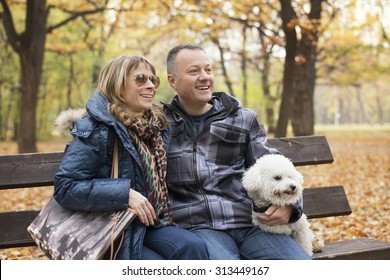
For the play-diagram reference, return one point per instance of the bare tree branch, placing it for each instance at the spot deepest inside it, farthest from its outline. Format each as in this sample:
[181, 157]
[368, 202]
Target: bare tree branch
[73, 17]
[13, 37]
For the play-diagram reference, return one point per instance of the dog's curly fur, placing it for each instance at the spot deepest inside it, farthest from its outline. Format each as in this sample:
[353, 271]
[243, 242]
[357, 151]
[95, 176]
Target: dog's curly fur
[273, 179]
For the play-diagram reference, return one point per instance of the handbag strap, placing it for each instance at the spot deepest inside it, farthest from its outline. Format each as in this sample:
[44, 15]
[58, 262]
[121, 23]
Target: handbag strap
[114, 170]
[114, 174]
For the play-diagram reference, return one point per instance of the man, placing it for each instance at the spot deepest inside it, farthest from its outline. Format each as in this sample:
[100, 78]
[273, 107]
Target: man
[213, 141]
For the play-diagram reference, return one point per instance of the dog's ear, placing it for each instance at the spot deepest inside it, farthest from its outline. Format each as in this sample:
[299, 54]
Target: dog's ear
[251, 179]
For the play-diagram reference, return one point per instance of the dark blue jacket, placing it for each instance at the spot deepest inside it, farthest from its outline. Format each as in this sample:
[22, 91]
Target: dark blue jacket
[83, 181]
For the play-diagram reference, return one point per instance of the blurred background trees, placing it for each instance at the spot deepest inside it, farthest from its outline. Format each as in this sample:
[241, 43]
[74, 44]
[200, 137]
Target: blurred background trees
[297, 63]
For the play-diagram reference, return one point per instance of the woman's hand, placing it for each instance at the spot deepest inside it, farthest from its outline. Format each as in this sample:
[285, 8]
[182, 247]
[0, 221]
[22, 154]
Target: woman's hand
[142, 208]
[276, 215]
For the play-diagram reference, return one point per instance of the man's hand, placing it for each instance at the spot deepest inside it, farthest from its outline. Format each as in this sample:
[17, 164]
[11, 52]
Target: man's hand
[276, 215]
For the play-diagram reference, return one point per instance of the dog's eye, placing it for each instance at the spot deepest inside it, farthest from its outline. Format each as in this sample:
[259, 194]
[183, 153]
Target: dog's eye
[278, 177]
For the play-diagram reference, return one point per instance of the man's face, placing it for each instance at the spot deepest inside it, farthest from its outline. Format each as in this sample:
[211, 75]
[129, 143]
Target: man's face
[192, 79]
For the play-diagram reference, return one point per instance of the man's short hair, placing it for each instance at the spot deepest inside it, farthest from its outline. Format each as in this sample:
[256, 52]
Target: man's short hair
[172, 54]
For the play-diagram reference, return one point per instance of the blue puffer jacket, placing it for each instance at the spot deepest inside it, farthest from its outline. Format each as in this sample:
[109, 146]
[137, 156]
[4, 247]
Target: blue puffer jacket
[83, 181]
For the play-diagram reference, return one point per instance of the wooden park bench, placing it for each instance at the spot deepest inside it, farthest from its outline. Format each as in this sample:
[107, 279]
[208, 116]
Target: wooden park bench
[38, 169]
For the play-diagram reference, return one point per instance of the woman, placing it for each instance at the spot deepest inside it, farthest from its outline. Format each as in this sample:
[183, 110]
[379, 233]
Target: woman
[123, 109]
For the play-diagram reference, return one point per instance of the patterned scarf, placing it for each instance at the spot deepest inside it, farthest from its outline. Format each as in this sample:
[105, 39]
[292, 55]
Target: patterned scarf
[145, 131]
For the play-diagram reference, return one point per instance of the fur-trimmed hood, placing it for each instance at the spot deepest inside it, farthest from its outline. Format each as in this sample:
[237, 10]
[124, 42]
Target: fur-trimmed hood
[64, 122]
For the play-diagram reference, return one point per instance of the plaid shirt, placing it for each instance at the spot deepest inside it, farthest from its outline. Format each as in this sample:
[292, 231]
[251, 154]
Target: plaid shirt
[205, 168]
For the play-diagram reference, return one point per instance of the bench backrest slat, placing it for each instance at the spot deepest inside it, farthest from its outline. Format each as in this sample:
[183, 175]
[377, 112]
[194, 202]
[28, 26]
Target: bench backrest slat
[35, 170]
[28, 170]
[304, 150]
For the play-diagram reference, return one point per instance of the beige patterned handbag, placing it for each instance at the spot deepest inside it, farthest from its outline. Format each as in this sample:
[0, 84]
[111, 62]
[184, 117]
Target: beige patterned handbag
[64, 234]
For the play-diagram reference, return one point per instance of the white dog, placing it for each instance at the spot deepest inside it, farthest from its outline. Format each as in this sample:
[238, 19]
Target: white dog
[273, 179]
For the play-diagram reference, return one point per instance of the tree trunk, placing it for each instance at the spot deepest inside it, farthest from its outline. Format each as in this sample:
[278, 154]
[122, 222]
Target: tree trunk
[31, 59]
[70, 80]
[29, 45]
[29, 93]
[378, 99]
[285, 110]
[3, 128]
[365, 115]
[269, 100]
[228, 83]
[265, 73]
[243, 68]
[302, 119]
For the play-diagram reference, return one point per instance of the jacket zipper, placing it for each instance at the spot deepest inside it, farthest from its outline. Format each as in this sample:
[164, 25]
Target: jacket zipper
[206, 124]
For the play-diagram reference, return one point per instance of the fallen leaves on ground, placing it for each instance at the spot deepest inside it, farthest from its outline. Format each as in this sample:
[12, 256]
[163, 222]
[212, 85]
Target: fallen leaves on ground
[361, 165]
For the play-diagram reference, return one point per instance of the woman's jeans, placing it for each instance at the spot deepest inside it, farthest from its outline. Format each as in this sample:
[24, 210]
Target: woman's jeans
[250, 243]
[173, 243]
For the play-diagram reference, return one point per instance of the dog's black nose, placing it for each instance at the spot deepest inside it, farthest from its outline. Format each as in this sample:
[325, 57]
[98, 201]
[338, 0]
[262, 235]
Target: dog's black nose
[292, 187]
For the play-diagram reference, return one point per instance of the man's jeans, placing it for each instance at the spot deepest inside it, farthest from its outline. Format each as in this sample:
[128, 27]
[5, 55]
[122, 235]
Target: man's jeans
[250, 243]
[173, 243]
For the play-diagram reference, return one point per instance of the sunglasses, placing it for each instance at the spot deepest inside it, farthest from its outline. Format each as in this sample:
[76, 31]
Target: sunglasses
[141, 79]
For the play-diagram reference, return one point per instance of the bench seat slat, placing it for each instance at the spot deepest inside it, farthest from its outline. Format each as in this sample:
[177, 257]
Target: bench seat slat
[325, 202]
[318, 202]
[13, 229]
[355, 249]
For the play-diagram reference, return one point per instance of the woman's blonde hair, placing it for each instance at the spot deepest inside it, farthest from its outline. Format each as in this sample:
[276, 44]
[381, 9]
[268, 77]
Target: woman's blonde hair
[112, 84]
